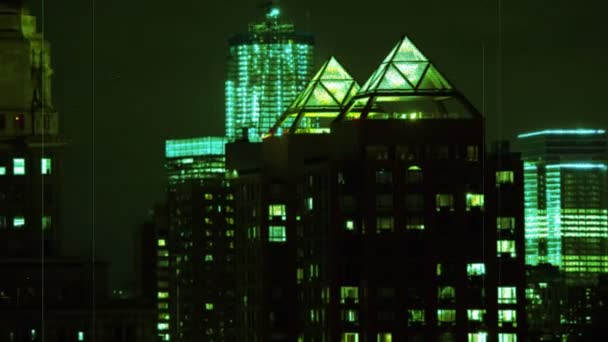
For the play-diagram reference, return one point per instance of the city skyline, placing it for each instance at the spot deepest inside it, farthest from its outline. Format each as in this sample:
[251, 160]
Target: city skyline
[104, 151]
[439, 196]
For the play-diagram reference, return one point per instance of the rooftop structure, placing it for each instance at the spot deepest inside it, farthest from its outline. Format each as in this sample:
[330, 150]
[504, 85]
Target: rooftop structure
[320, 102]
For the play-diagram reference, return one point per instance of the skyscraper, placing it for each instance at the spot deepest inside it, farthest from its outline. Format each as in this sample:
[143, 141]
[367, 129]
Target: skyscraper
[196, 264]
[371, 217]
[266, 69]
[566, 201]
[30, 144]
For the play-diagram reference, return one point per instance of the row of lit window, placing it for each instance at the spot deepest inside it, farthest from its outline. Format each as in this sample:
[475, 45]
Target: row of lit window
[412, 153]
[19, 222]
[506, 294]
[471, 337]
[19, 167]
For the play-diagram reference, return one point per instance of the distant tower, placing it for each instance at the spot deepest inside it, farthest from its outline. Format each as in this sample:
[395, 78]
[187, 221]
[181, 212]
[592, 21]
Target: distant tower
[566, 201]
[266, 69]
[196, 266]
[29, 140]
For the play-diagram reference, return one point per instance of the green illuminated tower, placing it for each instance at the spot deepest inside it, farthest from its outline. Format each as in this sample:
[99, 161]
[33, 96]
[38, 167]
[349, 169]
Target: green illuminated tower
[566, 201]
[267, 68]
[195, 268]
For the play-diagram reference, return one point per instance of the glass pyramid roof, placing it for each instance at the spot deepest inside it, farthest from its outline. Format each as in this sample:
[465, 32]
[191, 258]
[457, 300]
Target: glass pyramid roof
[407, 85]
[405, 69]
[320, 102]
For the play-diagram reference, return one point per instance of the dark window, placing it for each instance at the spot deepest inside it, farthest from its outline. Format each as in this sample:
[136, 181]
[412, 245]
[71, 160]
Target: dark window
[20, 122]
[384, 177]
[384, 202]
[413, 175]
[414, 202]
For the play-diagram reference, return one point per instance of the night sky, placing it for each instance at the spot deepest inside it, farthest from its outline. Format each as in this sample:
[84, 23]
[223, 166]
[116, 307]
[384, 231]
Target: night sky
[130, 74]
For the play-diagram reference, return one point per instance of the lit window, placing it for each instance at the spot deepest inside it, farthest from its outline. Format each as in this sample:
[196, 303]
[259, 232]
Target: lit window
[415, 317]
[309, 203]
[163, 326]
[277, 234]
[506, 223]
[18, 166]
[161, 242]
[164, 316]
[446, 293]
[475, 314]
[2, 170]
[472, 153]
[18, 222]
[507, 337]
[299, 275]
[350, 316]
[208, 257]
[46, 222]
[208, 196]
[414, 222]
[384, 224]
[349, 225]
[349, 295]
[81, 336]
[507, 295]
[163, 306]
[438, 270]
[476, 269]
[505, 247]
[507, 316]
[45, 166]
[163, 295]
[480, 336]
[163, 263]
[446, 315]
[385, 337]
[209, 306]
[230, 233]
[504, 177]
[277, 210]
[350, 337]
[444, 202]
[474, 201]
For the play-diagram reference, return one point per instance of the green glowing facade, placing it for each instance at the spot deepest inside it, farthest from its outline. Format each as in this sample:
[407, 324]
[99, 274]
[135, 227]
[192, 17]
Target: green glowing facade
[566, 201]
[194, 158]
[267, 68]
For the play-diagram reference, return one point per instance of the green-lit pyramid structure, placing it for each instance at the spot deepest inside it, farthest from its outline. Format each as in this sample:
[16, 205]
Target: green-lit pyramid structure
[319, 103]
[407, 85]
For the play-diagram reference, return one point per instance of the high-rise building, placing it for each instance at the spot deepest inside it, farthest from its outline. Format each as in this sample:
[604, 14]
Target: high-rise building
[196, 298]
[266, 69]
[566, 201]
[30, 144]
[378, 221]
